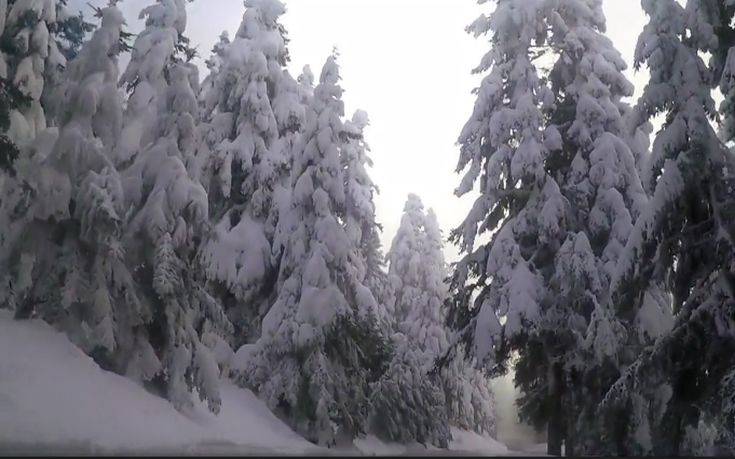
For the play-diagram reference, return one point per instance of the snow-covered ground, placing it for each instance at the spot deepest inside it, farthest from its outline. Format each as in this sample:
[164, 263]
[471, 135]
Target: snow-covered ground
[55, 399]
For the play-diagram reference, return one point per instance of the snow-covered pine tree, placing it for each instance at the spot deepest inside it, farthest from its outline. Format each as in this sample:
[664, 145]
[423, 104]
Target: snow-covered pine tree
[417, 271]
[714, 19]
[597, 173]
[559, 194]
[144, 78]
[320, 346]
[720, 16]
[167, 212]
[408, 404]
[62, 258]
[208, 94]
[245, 163]
[32, 57]
[12, 101]
[360, 221]
[521, 208]
[511, 164]
[412, 402]
[68, 31]
[470, 402]
[683, 236]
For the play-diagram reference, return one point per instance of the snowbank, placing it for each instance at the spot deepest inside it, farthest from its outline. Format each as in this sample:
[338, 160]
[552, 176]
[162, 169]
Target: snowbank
[470, 442]
[55, 400]
[463, 443]
[53, 397]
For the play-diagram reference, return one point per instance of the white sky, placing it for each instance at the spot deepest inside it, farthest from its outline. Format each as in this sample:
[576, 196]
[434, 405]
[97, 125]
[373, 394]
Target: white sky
[407, 63]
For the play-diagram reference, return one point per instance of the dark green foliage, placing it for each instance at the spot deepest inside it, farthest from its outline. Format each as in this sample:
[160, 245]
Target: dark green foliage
[10, 98]
[407, 405]
[71, 32]
[334, 380]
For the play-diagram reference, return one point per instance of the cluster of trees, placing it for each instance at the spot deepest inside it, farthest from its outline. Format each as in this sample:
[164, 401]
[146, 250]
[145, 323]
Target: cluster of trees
[600, 265]
[161, 222]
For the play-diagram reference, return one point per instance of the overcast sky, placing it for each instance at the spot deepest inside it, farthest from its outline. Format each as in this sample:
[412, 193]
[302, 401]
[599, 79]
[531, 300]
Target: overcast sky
[407, 63]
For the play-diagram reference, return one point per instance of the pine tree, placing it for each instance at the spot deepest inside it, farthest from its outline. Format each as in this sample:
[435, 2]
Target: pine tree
[597, 173]
[720, 16]
[145, 77]
[167, 211]
[507, 145]
[68, 32]
[62, 258]
[511, 164]
[208, 95]
[417, 273]
[32, 58]
[560, 192]
[320, 345]
[12, 101]
[253, 109]
[412, 401]
[682, 237]
[360, 220]
[469, 399]
[408, 404]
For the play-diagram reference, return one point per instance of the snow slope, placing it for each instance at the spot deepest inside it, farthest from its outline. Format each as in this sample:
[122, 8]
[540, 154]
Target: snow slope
[52, 394]
[55, 400]
[463, 443]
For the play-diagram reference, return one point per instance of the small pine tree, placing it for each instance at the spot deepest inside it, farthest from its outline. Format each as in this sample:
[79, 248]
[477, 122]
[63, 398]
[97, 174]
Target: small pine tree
[407, 396]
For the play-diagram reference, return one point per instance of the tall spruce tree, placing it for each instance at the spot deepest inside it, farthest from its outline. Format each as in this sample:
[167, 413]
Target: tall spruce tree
[167, 211]
[62, 258]
[506, 145]
[682, 237]
[559, 192]
[245, 161]
[320, 345]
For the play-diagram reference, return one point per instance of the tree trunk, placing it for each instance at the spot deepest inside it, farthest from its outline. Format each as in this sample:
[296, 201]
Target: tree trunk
[556, 418]
[570, 444]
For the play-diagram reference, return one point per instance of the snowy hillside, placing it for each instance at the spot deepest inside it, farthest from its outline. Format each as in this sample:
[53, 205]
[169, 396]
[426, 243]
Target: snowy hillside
[52, 394]
[53, 398]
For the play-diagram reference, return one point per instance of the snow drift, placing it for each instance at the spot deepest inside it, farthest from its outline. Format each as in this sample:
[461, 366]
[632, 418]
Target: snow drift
[55, 399]
[53, 396]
